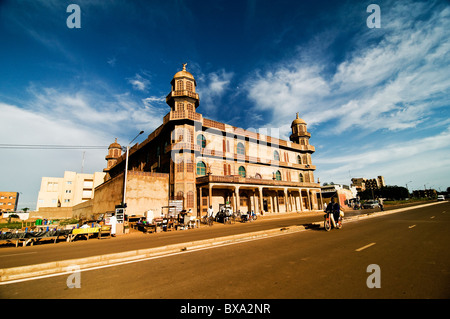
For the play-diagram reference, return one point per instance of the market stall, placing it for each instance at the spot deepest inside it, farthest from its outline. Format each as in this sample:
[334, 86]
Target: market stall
[32, 237]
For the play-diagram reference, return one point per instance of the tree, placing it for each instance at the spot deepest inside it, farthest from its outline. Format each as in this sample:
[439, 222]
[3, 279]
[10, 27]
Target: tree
[388, 192]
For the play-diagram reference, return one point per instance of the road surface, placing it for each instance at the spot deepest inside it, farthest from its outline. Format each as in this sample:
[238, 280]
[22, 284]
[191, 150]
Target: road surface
[405, 253]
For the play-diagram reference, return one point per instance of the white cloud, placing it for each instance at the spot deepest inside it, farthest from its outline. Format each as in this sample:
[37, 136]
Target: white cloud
[394, 80]
[63, 116]
[394, 84]
[213, 86]
[423, 158]
[139, 83]
[25, 127]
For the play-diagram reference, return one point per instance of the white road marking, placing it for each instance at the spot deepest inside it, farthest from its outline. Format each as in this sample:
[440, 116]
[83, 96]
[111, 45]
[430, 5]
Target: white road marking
[364, 247]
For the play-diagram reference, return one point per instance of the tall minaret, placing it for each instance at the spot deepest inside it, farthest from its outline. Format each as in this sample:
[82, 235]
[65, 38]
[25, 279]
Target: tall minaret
[114, 152]
[183, 96]
[299, 133]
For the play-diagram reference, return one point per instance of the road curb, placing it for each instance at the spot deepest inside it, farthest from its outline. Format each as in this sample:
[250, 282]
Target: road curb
[388, 212]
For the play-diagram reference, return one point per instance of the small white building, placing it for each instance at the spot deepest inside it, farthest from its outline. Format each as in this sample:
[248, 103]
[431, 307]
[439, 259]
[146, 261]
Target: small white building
[68, 191]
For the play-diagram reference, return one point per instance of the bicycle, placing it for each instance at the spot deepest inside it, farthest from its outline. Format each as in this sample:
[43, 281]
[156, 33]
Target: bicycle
[329, 221]
[207, 220]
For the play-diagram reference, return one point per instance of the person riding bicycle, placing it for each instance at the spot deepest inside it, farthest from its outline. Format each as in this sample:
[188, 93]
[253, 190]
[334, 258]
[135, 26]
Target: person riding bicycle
[336, 210]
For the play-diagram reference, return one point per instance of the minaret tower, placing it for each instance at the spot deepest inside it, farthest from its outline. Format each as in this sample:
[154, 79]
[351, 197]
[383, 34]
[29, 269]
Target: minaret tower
[183, 95]
[299, 133]
[114, 152]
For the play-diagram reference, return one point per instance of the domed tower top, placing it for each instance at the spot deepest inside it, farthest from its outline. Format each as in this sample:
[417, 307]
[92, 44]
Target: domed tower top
[183, 95]
[299, 133]
[184, 74]
[114, 152]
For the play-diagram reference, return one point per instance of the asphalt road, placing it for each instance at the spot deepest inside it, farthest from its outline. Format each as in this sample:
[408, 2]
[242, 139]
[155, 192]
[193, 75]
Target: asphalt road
[11, 256]
[409, 249]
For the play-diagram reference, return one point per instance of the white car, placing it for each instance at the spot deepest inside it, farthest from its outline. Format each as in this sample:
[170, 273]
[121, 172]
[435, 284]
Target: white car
[441, 197]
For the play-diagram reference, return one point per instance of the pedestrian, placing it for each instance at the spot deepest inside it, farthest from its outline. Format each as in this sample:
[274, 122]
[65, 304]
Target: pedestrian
[113, 222]
[380, 202]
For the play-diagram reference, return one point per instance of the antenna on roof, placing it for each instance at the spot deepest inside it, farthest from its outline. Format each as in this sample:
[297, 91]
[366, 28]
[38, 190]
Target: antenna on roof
[82, 163]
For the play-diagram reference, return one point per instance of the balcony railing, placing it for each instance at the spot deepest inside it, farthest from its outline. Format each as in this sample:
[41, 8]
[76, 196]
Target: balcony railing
[182, 93]
[236, 179]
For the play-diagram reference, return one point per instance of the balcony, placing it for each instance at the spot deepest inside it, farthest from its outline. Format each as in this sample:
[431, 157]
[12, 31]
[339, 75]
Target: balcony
[236, 179]
[183, 114]
[187, 93]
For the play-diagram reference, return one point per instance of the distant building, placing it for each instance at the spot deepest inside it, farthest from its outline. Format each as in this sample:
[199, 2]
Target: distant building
[343, 193]
[9, 201]
[68, 191]
[362, 184]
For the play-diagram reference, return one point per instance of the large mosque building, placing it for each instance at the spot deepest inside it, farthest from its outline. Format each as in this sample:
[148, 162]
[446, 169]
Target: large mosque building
[200, 163]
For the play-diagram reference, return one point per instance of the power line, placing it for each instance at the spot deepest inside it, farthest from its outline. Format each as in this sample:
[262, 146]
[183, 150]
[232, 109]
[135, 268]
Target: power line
[51, 147]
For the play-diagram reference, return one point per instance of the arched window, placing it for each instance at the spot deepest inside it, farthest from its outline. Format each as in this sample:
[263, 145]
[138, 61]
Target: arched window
[240, 149]
[242, 171]
[201, 169]
[300, 178]
[278, 175]
[201, 140]
[299, 159]
[276, 155]
[189, 86]
[190, 199]
[180, 85]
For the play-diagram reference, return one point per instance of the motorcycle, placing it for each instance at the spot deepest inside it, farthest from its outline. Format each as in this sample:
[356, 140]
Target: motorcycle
[329, 221]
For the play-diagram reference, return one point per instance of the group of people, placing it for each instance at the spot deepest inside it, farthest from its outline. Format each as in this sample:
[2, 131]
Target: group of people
[250, 216]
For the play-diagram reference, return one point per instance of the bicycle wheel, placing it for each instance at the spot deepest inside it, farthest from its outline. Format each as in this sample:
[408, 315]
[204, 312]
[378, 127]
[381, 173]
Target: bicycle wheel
[327, 224]
[339, 224]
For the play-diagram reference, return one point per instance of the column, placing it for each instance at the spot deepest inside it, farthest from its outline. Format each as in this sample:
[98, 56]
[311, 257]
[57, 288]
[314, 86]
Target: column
[301, 200]
[199, 214]
[238, 203]
[309, 199]
[321, 200]
[261, 207]
[286, 203]
[209, 195]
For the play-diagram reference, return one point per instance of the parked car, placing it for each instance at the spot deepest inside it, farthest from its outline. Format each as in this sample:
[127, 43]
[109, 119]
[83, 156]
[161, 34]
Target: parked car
[441, 197]
[371, 204]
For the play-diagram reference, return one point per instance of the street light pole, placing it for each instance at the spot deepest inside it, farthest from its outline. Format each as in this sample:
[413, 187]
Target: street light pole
[126, 170]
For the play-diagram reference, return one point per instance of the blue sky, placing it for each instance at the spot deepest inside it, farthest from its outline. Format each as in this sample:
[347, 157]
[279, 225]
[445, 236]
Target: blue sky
[376, 100]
